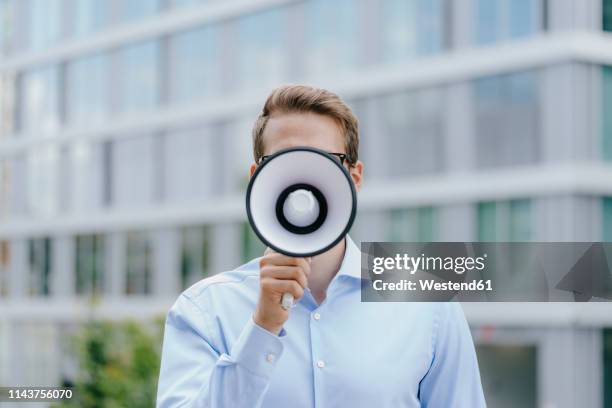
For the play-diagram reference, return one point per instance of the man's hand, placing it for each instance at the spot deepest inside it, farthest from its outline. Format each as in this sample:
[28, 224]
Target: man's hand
[279, 274]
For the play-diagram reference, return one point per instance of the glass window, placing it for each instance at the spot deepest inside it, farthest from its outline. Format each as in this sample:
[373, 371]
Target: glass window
[509, 375]
[8, 25]
[196, 70]
[136, 9]
[506, 19]
[5, 189]
[262, 51]
[412, 225]
[8, 108]
[186, 3]
[412, 123]
[195, 254]
[332, 33]
[188, 153]
[39, 257]
[40, 115]
[43, 180]
[132, 171]
[40, 100]
[505, 221]
[607, 367]
[607, 219]
[88, 90]
[44, 23]
[252, 247]
[507, 115]
[89, 264]
[88, 175]
[5, 185]
[607, 15]
[139, 252]
[606, 108]
[487, 27]
[87, 103]
[4, 267]
[510, 221]
[523, 17]
[13, 186]
[411, 28]
[90, 16]
[36, 352]
[241, 153]
[140, 77]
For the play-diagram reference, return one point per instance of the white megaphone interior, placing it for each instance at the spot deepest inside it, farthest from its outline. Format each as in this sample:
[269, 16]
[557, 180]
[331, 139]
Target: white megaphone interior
[300, 166]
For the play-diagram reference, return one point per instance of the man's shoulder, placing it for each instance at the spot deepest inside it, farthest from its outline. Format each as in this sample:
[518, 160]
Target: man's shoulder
[226, 281]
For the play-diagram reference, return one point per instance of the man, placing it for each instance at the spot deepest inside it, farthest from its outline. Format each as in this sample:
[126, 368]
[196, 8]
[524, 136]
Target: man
[229, 343]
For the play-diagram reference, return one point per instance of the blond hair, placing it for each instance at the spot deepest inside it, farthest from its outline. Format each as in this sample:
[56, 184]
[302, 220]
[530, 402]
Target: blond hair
[302, 98]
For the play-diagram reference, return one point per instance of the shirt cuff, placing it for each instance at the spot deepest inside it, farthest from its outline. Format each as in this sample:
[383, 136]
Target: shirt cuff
[257, 349]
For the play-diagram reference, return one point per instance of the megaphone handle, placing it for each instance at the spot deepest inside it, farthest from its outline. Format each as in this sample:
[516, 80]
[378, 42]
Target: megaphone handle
[287, 301]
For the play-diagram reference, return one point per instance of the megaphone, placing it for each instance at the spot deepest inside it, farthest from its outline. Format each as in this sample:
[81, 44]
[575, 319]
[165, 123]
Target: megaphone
[301, 202]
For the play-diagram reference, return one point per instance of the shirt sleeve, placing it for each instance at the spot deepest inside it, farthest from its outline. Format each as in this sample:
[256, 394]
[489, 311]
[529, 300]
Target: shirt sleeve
[453, 379]
[194, 373]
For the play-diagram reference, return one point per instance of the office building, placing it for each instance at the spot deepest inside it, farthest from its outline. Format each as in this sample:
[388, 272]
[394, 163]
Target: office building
[125, 145]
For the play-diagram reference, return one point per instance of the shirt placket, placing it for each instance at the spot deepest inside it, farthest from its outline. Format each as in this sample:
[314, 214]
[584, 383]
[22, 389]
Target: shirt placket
[318, 358]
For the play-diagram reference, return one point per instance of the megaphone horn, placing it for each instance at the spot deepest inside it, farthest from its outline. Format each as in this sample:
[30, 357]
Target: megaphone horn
[301, 201]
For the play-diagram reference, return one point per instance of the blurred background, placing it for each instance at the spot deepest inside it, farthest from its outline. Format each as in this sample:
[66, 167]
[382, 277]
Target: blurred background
[125, 145]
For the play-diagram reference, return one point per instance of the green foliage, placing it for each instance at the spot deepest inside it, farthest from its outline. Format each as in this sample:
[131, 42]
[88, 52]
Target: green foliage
[118, 365]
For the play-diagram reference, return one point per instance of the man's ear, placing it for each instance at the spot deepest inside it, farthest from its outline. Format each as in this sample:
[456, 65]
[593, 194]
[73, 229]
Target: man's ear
[356, 172]
[252, 169]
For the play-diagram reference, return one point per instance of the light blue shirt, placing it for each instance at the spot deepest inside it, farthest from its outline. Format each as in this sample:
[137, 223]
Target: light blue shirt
[341, 353]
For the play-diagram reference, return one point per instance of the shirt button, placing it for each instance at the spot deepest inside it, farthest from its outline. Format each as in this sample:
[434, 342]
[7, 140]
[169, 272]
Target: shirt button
[320, 363]
[316, 316]
[270, 358]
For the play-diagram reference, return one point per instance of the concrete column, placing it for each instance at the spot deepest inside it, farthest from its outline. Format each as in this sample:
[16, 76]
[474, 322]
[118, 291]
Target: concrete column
[166, 263]
[18, 270]
[557, 116]
[457, 222]
[115, 276]
[296, 41]
[371, 226]
[567, 219]
[462, 17]
[459, 134]
[574, 14]
[225, 247]
[62, 268]
[372, 145]
[5, 351]
[570, 368]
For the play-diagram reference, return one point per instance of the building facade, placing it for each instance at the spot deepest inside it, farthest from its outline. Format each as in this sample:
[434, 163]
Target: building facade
[125, 146]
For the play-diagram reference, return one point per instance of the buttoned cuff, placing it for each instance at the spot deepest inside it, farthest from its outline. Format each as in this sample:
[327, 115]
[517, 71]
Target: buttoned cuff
[257, 349]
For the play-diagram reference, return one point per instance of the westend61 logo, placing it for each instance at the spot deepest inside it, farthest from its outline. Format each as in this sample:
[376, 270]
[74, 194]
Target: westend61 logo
[412, 264]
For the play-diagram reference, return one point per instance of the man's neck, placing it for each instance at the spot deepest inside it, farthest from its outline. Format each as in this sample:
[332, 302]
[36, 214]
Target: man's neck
[323, 268]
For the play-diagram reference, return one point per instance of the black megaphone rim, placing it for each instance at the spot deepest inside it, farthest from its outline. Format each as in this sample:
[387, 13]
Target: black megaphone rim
[346, 174]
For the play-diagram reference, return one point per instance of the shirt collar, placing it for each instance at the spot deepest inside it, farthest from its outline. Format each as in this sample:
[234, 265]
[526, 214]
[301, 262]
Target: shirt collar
[351, 263]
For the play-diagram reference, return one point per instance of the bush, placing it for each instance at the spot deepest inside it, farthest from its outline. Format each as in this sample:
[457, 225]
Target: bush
[118, 365]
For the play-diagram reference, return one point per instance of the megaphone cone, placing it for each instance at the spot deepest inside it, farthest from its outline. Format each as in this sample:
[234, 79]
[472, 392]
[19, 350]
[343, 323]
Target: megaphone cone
[301, 201]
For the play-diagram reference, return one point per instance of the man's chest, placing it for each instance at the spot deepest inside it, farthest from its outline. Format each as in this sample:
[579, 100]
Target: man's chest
[367, 355]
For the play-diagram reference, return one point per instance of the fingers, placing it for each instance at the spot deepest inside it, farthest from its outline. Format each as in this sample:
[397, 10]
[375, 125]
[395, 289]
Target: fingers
[280, 286]
[281, 273]
[285, 272]
[274, 258]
